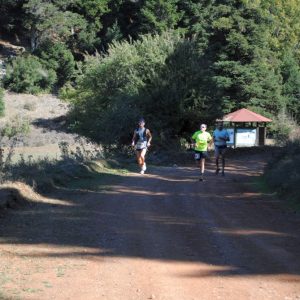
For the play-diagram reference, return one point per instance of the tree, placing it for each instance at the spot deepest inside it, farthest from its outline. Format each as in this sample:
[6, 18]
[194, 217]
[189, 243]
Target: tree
[26, 74]
[290, 72]
[92, 11]
[197, 19]
[159, 15]
[58, 57]
[11, 16]
[284, 24]
[240, 69]
[157, 73]
[46, 21]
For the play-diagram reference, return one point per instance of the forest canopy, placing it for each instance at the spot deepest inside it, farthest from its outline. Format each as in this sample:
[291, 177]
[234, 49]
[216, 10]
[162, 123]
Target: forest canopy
[174, 62]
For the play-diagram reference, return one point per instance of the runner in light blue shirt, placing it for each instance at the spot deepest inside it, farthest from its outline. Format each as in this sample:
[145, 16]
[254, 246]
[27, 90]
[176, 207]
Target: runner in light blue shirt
[220, 137]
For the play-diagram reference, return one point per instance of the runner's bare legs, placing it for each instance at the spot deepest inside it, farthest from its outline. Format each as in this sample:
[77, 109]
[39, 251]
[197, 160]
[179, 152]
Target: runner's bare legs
[140, 157]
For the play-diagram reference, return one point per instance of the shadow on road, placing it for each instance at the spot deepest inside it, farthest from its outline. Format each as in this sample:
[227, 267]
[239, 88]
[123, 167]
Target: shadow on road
[167, 215]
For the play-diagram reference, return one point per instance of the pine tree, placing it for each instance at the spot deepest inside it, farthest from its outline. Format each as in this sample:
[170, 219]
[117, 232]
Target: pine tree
[290, 72]
[159, 15]
[240, 70]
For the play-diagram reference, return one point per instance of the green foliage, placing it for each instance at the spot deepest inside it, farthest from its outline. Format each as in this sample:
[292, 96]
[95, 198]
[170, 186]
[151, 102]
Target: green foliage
[76, 22]
[157, 73]
[283, 128]
[290, 71]
[283, 173]
[159, 15]
[15, 128]
[197, 19]
[11, 16]
[27, 74]
[232, 54]
[284, 25]
[2, 105]
[46, 172]
[113, 33]
[57, 57]
[239, 68]
[49, 21]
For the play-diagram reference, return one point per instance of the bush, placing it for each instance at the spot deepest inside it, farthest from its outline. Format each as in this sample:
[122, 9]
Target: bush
[31, 106]
[284, 129]
[155, 77]
[2, 106]
[27, 74]
[19, 126]
[283, 172]
[59, 58]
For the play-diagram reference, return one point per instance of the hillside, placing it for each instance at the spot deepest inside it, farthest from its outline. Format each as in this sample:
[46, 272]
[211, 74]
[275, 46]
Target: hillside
[44, 117]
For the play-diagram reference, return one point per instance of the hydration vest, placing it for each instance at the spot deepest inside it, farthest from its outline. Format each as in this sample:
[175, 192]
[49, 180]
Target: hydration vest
[139, 137]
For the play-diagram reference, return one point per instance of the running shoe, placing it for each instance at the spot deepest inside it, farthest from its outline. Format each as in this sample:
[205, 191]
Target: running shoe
[144, 168]
[142, 172]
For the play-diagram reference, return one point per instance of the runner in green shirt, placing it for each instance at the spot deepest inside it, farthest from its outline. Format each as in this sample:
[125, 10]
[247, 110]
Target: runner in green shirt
[203, 140]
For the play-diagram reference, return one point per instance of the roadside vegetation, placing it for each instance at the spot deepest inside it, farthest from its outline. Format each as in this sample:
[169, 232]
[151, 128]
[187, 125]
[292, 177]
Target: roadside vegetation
[176, 63]
[72, 168]
[173, 62]
[283, 173]
[2, 106]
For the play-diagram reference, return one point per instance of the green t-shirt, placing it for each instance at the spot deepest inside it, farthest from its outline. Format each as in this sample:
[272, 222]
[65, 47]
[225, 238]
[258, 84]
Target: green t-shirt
[202, 139]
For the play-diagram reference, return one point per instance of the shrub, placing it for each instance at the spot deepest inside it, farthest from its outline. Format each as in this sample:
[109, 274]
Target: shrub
[2, 106]
[284, 129]
[17, 127]
[27, 74]
[283, 172]
[57, 57]
[31, 106]
[154, 77]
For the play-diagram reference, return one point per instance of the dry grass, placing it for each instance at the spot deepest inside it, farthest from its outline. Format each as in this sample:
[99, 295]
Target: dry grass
[17, 194]
[46, 115]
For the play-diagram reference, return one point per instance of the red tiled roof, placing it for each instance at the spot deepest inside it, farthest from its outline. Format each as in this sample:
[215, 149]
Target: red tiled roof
[244, 115]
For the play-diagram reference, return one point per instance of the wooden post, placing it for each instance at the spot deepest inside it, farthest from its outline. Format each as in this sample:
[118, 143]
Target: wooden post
[234, 136]
[262, 135]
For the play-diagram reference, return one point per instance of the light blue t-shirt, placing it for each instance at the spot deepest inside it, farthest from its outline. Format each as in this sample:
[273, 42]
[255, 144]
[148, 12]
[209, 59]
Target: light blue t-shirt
[220, 137]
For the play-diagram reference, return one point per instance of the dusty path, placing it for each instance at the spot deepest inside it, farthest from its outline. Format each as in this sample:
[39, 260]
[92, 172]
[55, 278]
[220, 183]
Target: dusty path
[161, 236]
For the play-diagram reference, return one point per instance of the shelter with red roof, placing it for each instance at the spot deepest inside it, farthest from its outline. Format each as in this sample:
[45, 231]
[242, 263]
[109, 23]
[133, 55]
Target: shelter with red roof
[246, 128]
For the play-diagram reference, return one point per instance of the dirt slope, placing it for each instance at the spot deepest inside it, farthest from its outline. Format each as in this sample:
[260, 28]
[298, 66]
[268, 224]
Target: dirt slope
[161, 236]
[45, 117]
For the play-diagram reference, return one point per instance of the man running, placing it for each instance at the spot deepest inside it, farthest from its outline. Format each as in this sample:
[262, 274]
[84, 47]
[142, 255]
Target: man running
[220, 137]
[141, 140]
[202, 141]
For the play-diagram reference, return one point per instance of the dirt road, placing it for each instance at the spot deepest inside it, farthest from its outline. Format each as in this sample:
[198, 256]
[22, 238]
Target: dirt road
[161, 236]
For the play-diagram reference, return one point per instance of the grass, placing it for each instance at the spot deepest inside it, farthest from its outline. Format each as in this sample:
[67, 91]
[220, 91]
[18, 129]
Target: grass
[260, 183]
[47, 284]
[289, 200]
[98, 180]
[283, 174]
[74, 168]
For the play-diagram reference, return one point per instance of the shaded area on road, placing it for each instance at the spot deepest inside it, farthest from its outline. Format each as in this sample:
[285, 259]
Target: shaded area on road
[167, 215]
